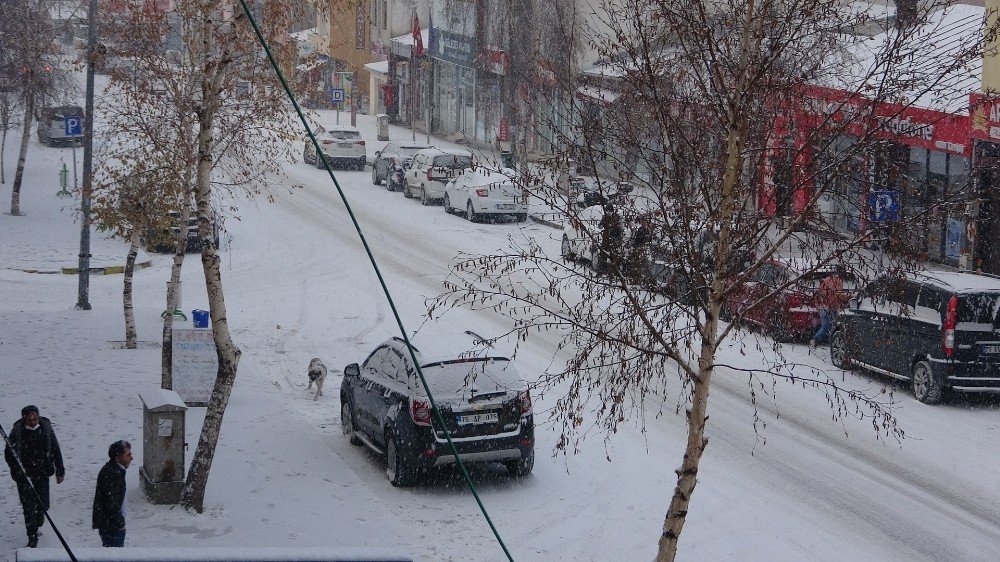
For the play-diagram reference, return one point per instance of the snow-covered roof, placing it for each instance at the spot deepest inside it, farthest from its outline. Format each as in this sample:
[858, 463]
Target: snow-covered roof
[945, 38]
[380, 67]
[160, 400]
[407, 38]
[486, 176]
[959, 281]
[601, 95]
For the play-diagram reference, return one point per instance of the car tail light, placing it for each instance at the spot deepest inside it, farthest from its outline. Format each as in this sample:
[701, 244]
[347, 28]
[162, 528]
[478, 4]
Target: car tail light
[360, 142]
[525, 398]
[327, 141]
[429, 178]
[482, 192]
[420, 412]
[948, 330]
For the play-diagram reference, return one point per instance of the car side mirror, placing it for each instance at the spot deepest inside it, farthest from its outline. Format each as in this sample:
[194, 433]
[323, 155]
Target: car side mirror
[352, 370]
[853, 303]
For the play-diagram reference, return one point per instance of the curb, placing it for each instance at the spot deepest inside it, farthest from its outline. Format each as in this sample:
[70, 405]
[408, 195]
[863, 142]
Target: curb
[545, 222]
[109, 270]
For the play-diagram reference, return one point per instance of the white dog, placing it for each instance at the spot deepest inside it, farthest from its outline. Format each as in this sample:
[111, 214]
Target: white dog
[317, 374]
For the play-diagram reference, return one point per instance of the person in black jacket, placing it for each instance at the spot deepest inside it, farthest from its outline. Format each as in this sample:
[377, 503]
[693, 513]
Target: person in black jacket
[35, 443]
[109, 498]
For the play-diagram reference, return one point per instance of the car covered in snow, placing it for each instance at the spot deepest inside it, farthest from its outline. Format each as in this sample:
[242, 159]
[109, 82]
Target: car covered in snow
[485, 405]
[938, 331]
[432, 168]
[341, 144]
[395, 153]
[481, 192]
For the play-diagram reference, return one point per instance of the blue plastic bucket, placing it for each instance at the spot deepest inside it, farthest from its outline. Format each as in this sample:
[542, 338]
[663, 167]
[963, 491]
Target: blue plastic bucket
[200, 318]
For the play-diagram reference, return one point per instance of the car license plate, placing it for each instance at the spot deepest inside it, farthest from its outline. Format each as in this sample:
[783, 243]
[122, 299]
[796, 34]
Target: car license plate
[505, 207]
[990, 349]
[345, 144]
[473, 419]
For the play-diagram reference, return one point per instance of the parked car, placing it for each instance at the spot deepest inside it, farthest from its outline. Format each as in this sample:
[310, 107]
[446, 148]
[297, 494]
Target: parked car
[590, 193]
[342, 145]
[485, 406]
[399, 152]
[162, 241]
[939, 331]
[790, 312]
[479, 193]
[52, 129]
[581, 235]
[430, 169]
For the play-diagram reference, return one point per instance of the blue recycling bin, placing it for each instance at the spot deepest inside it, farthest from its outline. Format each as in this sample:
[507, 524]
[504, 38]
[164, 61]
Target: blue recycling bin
[200, 318]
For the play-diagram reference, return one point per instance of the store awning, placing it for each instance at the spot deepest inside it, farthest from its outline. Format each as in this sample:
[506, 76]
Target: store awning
[596, 95]
[381, 67]
[402, 45]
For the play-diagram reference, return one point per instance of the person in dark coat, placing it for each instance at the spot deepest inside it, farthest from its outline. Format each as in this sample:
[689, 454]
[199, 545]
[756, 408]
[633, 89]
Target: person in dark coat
[109, 498]
[35, 443]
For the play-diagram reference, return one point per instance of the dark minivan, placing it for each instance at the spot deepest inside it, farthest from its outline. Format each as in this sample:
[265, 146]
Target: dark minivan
[485, 405]
[937, 330]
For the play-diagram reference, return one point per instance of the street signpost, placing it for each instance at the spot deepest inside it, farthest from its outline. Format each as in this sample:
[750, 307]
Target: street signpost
[883, 207]
[337, 97]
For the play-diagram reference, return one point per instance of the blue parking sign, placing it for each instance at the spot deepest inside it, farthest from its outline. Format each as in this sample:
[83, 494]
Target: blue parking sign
[336, 95]
[73, 125]
[883, 206]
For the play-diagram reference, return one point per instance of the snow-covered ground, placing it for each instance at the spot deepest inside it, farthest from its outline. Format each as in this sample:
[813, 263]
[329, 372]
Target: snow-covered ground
[298, 285]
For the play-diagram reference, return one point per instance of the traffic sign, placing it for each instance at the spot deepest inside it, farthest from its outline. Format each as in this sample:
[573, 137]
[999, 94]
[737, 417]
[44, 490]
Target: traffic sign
[73, 125]
[337, 95]
[884, 205]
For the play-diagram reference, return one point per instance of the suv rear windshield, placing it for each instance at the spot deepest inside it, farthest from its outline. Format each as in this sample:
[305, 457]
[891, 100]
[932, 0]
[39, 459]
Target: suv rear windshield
[979, 308]
[478, 376]
[452, 161]
[345, 134]
[409, 151]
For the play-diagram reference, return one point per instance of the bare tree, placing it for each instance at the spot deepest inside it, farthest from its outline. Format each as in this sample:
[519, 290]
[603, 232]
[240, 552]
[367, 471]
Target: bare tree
[693, 109]
[212, 112]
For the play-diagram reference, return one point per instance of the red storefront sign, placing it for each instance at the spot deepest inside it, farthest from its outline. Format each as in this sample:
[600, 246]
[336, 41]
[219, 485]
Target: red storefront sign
[984, 117]
[504, 134]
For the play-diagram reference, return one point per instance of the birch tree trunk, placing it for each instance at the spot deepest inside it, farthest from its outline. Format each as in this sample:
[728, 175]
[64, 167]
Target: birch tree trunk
[216, 65]
[29, 110]
[133, 250]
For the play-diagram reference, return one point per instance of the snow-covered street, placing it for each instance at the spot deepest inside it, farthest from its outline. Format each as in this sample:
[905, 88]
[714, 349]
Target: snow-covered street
[298, 285]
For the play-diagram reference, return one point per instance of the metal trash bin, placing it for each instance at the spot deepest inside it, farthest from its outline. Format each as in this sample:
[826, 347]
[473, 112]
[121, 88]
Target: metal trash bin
[382, 124]
[163, 433]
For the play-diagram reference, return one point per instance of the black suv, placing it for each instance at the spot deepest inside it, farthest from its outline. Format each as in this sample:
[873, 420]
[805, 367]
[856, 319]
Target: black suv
[937, 330]
[485, 405]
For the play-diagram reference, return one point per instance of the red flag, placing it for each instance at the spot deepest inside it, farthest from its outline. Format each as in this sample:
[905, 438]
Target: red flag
[418, 41]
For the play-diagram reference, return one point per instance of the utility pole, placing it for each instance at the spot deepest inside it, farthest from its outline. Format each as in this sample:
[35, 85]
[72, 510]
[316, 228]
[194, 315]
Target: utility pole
[83, 300]
[413, 72]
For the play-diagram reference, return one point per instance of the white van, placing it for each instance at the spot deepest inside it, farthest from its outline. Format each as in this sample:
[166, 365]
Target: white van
[479, 193]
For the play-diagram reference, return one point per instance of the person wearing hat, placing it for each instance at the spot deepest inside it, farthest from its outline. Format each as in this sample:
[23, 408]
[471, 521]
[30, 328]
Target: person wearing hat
[34, 443]
[109, 498]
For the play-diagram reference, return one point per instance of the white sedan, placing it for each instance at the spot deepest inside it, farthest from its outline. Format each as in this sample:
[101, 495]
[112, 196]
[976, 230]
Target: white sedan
[479, 193]
[342, 145]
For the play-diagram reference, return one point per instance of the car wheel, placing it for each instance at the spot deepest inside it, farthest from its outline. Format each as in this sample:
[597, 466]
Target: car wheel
[567, 249]
[406, 190]
[305, 157]
[400, 473]
[838, 350]
[375, 179]
[470, 213]
[361, 164]
[777, 330]
[319, 162]
[522, 466]
[447, 204]
[347, 422]
[925, 388]
[424, 200]
[521, 217]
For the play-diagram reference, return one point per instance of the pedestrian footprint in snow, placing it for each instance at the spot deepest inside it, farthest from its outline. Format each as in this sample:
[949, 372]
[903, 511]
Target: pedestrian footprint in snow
[33, 456]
